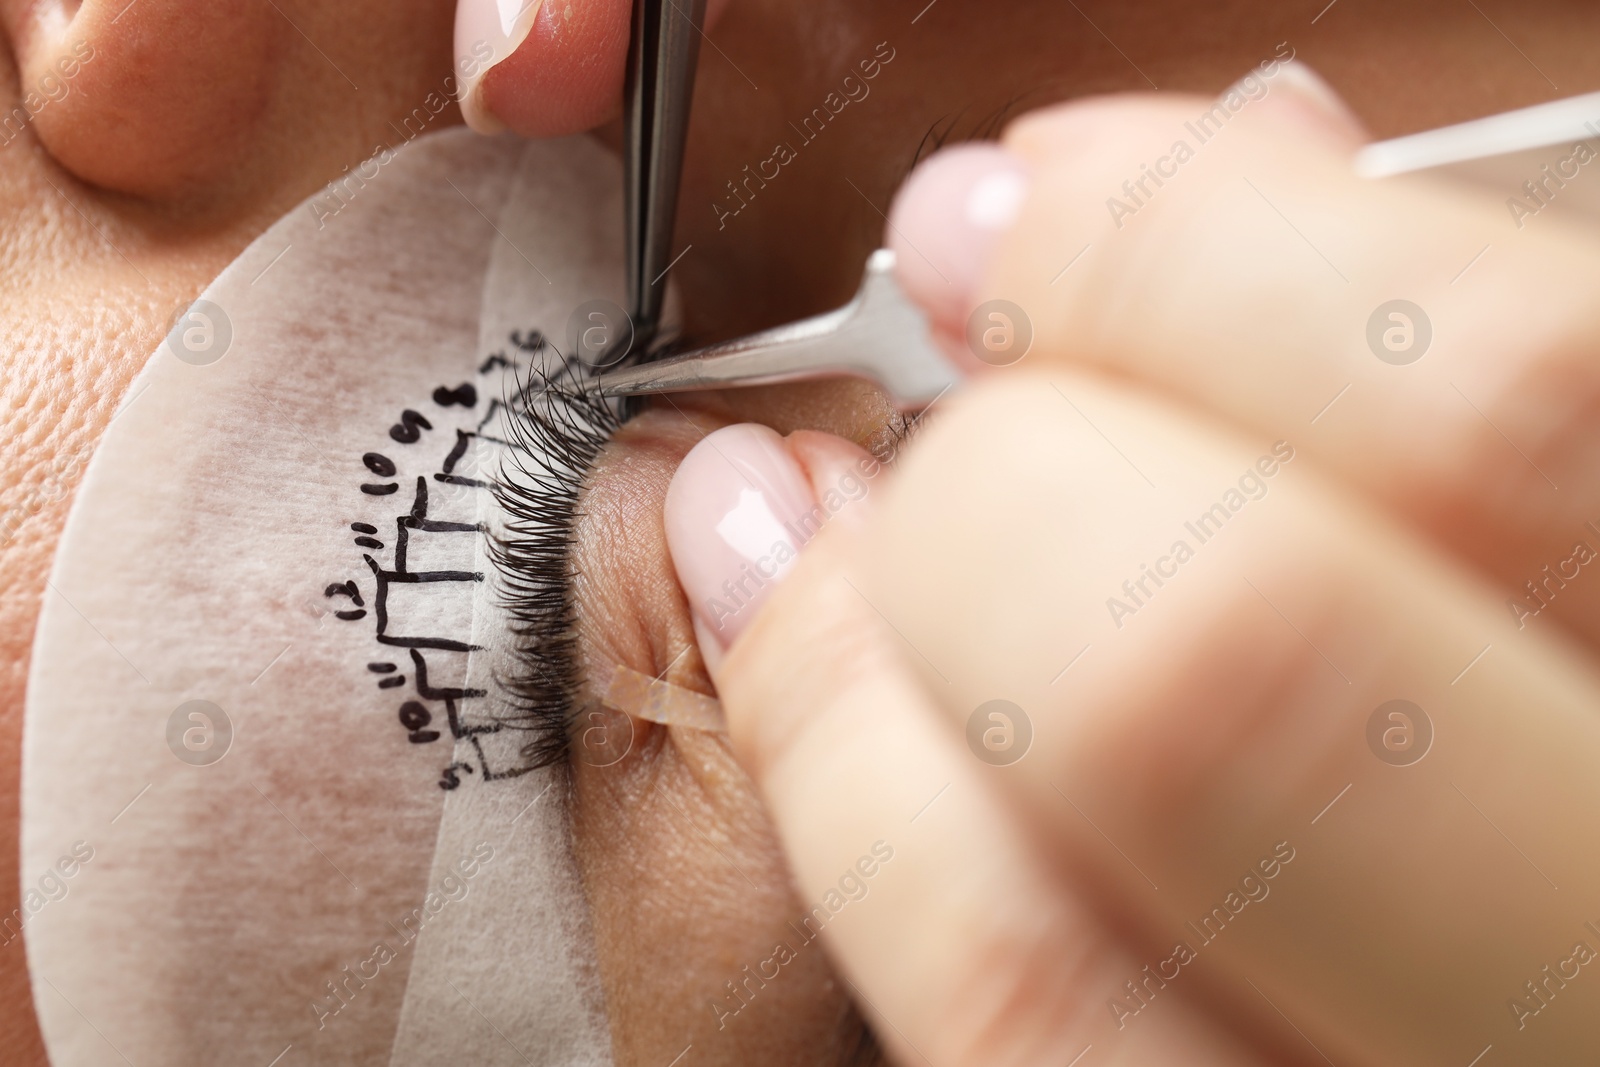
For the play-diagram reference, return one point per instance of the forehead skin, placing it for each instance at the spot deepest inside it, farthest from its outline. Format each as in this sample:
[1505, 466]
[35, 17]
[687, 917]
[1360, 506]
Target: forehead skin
[206, 122]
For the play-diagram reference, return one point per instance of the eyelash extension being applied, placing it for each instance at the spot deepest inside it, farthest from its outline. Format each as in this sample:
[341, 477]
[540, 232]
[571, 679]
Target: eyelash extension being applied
[558, 427]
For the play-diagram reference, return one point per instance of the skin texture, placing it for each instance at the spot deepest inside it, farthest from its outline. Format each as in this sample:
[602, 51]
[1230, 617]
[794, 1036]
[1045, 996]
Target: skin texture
[675, 836]
[92, 276]
[192, 128]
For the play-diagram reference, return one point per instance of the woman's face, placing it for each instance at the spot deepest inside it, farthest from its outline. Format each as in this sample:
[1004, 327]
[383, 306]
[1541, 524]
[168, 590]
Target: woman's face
[137, 177]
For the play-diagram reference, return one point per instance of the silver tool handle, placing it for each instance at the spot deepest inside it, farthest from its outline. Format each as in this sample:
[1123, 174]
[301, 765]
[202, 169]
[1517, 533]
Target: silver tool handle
[880, 335]
[664, 48]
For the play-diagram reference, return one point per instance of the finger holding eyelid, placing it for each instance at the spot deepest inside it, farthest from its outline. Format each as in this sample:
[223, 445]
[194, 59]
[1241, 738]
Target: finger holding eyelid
[624, 699]
[630, 610]
[767, 497]
[667, 828]
[637, 662]
[962, 945]
[1211, 644]
[845, 748]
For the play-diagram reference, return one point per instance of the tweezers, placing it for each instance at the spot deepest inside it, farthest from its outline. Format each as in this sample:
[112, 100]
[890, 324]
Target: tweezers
[882, 336]
[662, 51]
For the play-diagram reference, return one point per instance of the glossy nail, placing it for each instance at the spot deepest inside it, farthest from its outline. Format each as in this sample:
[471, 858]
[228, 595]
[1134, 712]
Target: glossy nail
[487, 31]
[944, 223]
[737, 513]
[1318, 102]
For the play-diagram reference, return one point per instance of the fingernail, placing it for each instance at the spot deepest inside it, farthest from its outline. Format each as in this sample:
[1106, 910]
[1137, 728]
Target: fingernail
[487, 31]
[945, 221]
[738, 509]
[1320, 102]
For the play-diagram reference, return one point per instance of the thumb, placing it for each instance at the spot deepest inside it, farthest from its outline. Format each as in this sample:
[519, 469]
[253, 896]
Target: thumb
[959, 943]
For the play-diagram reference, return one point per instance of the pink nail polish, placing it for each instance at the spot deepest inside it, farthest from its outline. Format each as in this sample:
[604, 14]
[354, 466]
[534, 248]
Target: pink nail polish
[1319, 102]
[737, 513]
[487, 31]
[945, 221]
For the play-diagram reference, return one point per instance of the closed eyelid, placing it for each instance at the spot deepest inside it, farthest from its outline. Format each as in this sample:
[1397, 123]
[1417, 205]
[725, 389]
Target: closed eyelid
[629, 610]
[686, 881]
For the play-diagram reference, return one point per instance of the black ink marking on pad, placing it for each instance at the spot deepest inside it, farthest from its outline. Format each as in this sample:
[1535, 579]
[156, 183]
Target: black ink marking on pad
[414, 716]
[465, 394]
[433, 693]
[571, 434]
[348, 588]
[405, 431]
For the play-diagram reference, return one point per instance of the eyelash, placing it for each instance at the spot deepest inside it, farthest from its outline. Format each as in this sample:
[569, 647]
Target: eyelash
[558, 427]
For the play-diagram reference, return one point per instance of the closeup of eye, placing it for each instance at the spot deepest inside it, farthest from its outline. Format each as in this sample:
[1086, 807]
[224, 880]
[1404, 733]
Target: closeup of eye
[667, 830]
[403, 756]
[379, 690]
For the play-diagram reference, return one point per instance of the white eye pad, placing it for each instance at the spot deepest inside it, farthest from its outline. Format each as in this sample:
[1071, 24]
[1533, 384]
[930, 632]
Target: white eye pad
[263, 729]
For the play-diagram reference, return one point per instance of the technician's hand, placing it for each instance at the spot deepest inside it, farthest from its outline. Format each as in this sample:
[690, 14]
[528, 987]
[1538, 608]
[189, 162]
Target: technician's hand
[545, 68]
[1233, 502]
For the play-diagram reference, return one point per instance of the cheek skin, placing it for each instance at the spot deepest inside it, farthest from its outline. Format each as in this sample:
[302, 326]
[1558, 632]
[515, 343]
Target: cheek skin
[687, 887]
[212, 112]
[686, 881]
[131, 118]
[79, 322]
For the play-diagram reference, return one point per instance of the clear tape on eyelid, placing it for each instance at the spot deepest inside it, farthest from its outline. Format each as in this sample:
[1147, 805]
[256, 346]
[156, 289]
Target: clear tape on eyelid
[652, 699]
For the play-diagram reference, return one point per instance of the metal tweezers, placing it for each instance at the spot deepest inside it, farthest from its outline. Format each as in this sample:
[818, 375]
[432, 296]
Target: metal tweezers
[882, 336]
[662, 52]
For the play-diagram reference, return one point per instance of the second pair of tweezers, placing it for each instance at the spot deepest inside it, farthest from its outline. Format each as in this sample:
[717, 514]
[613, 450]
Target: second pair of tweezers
[882, 336]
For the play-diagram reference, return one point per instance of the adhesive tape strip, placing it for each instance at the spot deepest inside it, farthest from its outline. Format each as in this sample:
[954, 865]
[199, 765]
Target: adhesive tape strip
[644, 697]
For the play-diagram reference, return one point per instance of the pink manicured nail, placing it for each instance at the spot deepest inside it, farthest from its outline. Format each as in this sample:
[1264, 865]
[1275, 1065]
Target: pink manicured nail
[944, 223]
[1320, 102]
[487, 31]
[738, 510]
